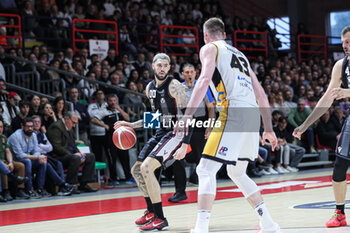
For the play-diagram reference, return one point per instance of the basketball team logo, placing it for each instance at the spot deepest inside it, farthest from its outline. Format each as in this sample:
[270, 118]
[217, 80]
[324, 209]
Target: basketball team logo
[151, 120]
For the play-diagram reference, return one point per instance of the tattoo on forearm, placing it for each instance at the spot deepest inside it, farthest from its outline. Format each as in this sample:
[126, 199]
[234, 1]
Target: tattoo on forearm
[178, 91]
[138, 124]
[140, 181]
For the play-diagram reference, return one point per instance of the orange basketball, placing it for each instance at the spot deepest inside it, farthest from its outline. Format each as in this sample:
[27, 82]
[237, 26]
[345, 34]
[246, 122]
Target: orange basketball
[124, 137]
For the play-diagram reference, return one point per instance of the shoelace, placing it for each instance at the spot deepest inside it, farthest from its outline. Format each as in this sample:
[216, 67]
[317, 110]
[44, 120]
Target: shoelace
[335, 215]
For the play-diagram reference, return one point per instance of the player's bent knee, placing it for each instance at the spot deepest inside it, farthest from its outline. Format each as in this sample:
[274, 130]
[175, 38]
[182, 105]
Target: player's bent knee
[136, 170]
[244, 183]
[207, 181]
[339, 171]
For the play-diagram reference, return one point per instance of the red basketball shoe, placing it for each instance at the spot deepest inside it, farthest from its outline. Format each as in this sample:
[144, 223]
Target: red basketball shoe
[338, 220]
[146, 218]
[156, 225]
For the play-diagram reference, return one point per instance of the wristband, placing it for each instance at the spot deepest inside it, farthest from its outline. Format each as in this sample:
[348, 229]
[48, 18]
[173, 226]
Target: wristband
[11, 162]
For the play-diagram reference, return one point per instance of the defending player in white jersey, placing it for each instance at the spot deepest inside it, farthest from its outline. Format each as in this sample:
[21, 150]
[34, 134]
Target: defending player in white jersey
[237, 90]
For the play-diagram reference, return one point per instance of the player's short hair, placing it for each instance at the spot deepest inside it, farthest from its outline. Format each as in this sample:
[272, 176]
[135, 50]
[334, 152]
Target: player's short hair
[214, 26]
[160, 56]
[345, 30]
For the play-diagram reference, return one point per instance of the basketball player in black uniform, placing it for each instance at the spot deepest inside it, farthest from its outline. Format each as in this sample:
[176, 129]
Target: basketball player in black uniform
[167, 97]
[106, 118]
[340, 75]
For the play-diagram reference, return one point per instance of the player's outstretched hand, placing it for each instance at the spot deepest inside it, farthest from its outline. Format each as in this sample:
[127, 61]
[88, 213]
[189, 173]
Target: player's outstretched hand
[181, 152]
[271, 137]
[298, 132]
[122, 123]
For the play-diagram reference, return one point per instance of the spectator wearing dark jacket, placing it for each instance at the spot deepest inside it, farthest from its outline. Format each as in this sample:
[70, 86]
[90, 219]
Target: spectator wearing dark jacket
[84, 117]
[327, 131]
[61, 136]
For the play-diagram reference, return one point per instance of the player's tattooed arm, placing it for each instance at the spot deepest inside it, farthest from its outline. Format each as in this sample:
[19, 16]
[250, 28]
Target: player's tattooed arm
[178, 91]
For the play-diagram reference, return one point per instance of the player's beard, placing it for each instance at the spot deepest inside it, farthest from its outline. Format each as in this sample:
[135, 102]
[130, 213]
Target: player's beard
[159, 78]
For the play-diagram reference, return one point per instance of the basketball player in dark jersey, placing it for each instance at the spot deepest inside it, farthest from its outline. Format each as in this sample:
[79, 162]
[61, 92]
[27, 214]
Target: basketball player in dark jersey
[340, 75]
[167, 97]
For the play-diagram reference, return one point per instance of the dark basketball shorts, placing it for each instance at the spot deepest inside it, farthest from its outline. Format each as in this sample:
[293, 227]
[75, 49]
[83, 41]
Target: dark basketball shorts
[342, 149]
[162, 147]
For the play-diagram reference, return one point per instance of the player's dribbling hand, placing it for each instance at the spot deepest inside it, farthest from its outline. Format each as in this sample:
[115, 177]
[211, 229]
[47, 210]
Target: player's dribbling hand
[122, 123]
[271, 137]
[181, 152]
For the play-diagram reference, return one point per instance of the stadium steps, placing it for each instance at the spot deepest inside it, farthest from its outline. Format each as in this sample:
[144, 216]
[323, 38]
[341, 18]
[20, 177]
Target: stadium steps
[314, 163]
[316, 159]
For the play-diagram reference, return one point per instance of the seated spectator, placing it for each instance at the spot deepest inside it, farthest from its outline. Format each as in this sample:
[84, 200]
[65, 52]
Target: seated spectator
[140, 64]
[115, 80]
[10, 109]
[17, 122]
[10, 169]
[283, 152]
[84, 117]
[105, 75]
[293, 157]
[327, 131]
[338, 118]
[345, 106]
[88, 88]
[61, 135]
[34, 105]
[134, 102]
[275, 117]
[297, 117]
[106, 118]
[54, 167]
[126, 43]
[145, 78]
[47, 116]
[59, 107]
[3, 92]
[24, 146]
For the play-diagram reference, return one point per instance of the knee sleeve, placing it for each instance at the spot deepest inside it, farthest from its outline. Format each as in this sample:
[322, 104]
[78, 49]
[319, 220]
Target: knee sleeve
[206, 171]
[239, 177]
[340, 168]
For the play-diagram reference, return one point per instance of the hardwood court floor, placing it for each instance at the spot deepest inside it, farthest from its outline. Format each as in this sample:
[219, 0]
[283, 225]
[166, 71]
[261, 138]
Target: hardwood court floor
[299, 202]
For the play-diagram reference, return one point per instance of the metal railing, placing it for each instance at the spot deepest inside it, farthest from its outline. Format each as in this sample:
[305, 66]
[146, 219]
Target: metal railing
[164, 35]
[245, 39]
[311, 44]
[87, 31]
[62, 89]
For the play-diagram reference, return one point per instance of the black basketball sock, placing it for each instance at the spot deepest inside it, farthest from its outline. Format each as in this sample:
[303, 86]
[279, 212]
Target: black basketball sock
[340, 207]
[149, 205]
[158, 210]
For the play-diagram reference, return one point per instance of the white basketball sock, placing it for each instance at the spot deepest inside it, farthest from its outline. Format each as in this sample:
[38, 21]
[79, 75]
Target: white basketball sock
[202, 224]
[264, 216]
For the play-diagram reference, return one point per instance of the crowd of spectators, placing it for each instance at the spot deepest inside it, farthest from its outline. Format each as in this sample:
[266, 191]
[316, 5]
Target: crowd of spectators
[293, 88]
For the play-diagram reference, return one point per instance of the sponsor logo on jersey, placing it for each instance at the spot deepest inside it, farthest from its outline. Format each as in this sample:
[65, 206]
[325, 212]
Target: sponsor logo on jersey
[223, 150]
